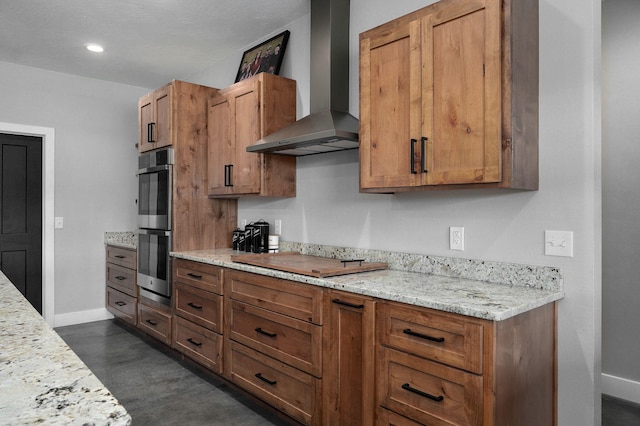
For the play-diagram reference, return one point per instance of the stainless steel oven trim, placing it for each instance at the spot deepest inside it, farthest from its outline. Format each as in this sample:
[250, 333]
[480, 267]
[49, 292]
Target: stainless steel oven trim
[158, 221]
[152, 287]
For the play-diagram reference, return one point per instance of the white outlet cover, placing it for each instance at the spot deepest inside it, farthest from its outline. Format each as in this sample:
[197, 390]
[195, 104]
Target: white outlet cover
[456, 238]
[558, 243]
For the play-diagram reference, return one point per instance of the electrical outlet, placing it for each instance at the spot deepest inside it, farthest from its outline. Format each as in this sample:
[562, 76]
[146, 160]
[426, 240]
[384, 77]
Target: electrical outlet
[456, 238]
[277, 227]
[58, 222]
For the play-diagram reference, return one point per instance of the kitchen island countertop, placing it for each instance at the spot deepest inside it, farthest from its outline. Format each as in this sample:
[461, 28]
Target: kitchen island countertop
[41, 380]
[476, 298]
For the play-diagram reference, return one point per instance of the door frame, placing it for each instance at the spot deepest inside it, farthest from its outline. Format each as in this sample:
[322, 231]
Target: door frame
[48, 195]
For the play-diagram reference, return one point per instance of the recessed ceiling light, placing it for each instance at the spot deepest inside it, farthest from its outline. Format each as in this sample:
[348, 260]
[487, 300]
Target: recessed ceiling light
[95, 48]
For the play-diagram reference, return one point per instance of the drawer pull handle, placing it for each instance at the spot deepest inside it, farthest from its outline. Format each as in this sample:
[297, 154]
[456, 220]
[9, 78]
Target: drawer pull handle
[194, 306]
[408, 387]
[423, 336]
[351, 305]
[120, 278]
[192, 275]
[193, 342]
[264, 379]
[151, 322]
[119, 256]
[119, 303]
[266, 333]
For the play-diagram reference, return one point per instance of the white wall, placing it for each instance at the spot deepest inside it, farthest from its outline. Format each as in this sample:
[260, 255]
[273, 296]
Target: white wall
[620, 198]
[499, 225]
[95, 125]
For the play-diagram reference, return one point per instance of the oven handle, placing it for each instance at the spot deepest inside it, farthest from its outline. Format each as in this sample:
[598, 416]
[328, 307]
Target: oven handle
[153, 169]
[155, 232]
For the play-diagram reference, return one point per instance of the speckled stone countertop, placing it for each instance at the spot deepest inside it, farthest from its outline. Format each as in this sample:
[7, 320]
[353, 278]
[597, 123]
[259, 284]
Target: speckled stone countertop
[41, 380]
[126, 239]
[489, 290]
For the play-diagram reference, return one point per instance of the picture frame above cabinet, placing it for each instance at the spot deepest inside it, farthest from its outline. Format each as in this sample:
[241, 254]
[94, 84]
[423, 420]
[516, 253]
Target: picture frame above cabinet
[238, 116]
[449, 98]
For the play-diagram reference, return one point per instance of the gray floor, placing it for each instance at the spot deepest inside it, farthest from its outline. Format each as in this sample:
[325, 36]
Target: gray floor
[155, 387]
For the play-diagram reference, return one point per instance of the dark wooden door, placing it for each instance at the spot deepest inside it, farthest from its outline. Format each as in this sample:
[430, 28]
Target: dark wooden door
[21, 214]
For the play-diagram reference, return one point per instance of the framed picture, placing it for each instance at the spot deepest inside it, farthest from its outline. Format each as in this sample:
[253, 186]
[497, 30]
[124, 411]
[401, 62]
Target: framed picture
[265, 57]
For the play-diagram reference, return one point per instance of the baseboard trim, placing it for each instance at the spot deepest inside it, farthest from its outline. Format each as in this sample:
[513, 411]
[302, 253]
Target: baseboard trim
[621, 388]
[81, 317]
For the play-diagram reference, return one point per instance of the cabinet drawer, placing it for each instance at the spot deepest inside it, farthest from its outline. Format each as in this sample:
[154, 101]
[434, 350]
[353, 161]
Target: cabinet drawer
[122, 256]
[198, 343]
[202, 307]
[447, 338]
[121, 278]
[300, 301]
[389, 418]
[298, 343]
[428, 392]
[155, 323]
[288, 389]
[121, 305]
[199, 275]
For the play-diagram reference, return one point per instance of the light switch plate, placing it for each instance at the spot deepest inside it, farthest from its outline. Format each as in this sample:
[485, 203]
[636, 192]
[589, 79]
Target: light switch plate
[58, 223]
[558, 243]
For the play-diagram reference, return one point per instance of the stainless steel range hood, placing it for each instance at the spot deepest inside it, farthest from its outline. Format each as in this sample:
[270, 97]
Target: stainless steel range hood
[329, 127]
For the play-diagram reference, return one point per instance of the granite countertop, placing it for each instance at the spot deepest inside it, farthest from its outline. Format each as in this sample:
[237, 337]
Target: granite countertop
[41, 380]
[127, 239]
[493, 291]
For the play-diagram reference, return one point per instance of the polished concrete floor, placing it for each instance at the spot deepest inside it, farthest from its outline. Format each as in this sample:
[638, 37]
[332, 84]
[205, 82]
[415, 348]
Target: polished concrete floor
[155, 387]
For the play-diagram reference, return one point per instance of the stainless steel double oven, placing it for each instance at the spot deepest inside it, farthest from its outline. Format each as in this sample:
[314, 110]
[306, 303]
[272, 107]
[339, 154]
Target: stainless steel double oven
[155, 183]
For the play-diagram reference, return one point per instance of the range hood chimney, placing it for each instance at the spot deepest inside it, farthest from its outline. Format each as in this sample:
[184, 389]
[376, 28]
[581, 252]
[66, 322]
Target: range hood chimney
[329, 127]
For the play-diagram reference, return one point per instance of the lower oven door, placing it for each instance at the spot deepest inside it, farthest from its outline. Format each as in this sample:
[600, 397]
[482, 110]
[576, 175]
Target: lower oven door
[154, 265]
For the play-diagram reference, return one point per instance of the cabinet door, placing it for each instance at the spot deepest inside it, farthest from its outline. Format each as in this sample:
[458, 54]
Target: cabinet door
[461, 95]
[220, 145]
[154, 119]
[390, 108]
[349, 361]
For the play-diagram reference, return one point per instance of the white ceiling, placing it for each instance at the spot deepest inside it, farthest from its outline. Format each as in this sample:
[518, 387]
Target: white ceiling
[147, 42]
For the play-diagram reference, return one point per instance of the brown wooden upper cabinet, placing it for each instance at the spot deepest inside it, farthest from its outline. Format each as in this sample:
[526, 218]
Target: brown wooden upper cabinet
[238, 117]
[171, 113]
[449, 98]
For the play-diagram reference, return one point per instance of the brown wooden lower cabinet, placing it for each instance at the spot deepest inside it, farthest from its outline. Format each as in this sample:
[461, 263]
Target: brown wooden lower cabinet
[122, 305]
[329, 357]
[294, 392]
[154, 321]
[121, 288]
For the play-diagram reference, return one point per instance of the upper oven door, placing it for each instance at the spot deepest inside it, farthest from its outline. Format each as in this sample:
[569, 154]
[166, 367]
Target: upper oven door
[154, 197]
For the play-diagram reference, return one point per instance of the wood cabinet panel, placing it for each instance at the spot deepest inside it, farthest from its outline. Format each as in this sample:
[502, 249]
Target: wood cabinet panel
[154, 119]
[155, 323]
[448, 338]
[428, 392]
[239, 116]
[122, 305]
[122, 257]
[294, 392]
[122, 279]
[198, 275]
[445, 93]
[296, 300]
[348, 375]
[198, 343]
[199, 306]
[389, 418]
[298, 343]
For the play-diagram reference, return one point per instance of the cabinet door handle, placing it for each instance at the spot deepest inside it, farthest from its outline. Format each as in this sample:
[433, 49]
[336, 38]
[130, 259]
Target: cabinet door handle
[408, 387]
[264, 379]
[194, 306]
[413, 153]
[266, 333]
[193, 342]
[229, 178]
[151, 322]
[120, 303]
[192, 275]
[150, 136]
[423, 153]
[120, 278]
[423, 336]
[351, 305]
